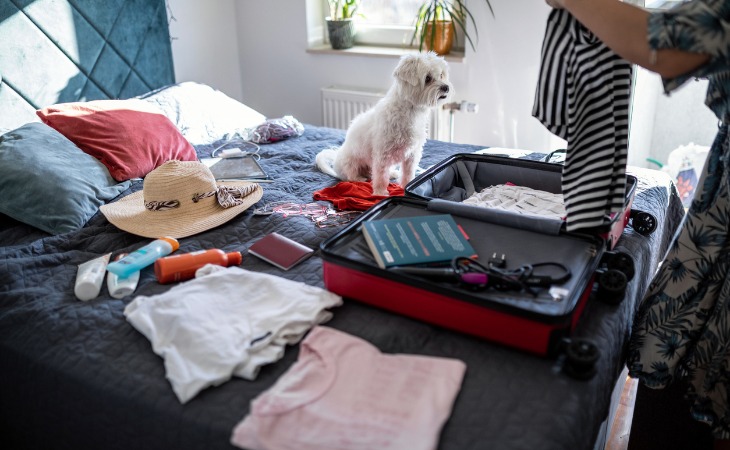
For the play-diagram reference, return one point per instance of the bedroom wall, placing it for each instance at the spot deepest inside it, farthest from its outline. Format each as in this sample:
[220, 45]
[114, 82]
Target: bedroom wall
[494, 76]
[256, 52]
[279, 77]
[205, 43]
[665, 122]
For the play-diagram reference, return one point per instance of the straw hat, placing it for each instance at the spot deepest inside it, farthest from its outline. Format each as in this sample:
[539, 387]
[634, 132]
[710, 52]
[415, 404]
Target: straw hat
[179, 199]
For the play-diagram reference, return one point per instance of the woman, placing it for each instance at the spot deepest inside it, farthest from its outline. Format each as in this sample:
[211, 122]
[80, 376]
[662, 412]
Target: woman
[681, 334]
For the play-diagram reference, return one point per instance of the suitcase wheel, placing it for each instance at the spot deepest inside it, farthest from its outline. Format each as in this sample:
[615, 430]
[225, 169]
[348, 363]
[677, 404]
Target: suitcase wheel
[612, 286]
[643, 222]
[622, 262]
[581, 356]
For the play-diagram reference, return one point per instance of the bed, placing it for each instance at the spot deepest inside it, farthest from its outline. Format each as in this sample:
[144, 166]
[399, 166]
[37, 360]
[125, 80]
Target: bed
[77, 375]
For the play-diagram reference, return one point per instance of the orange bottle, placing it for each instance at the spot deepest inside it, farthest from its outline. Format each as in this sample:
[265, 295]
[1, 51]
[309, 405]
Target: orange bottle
[182, 267]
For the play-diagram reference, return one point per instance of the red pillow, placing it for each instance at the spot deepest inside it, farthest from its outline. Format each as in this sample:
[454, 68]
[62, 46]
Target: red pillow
[130, 137]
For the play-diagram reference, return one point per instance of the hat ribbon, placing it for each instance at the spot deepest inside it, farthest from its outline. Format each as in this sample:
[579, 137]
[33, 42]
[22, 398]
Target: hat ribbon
[227, 196]
[162, 206]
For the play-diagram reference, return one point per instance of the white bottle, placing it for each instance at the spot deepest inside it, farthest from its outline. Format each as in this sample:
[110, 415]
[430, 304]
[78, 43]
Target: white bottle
[89, 277]
[121, 286]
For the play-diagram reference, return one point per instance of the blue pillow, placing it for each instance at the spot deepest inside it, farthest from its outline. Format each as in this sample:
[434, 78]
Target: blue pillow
[46, 181]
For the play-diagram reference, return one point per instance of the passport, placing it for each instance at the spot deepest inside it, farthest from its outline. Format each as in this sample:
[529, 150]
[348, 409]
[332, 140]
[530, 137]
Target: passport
[280, 251]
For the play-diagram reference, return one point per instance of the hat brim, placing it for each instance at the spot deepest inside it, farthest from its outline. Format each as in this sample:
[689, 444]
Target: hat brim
[129, 214]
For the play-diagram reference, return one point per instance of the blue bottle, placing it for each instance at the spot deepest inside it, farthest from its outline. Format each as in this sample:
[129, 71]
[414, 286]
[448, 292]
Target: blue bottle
[143, 257]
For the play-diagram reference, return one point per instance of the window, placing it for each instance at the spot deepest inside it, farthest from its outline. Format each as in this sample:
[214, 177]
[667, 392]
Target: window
[386, 22]
[389, 12]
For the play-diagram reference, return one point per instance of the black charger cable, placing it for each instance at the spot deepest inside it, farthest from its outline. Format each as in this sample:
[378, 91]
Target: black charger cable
[471, 273]
[474, 274]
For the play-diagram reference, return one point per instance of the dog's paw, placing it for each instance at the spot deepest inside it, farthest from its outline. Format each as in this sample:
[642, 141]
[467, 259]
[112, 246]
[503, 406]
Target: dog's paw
[382, 193]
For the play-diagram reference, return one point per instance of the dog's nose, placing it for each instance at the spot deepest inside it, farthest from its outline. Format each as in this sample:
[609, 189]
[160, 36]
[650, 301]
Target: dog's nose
[444, 88]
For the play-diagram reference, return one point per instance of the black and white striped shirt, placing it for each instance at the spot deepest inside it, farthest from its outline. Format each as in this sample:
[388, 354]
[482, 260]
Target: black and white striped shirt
[583, 96]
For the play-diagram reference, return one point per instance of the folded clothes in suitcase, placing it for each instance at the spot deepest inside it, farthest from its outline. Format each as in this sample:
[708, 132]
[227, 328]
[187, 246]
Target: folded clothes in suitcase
[536, 319]
[459, 176]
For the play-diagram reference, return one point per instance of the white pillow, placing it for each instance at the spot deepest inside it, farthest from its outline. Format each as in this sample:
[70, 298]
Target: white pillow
[202, 114]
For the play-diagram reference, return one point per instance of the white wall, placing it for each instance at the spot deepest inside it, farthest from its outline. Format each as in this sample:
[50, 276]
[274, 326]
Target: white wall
[501, 77]
[256, 52]
[662, 123]
[205, 43]
[685, 113]
[277, 75]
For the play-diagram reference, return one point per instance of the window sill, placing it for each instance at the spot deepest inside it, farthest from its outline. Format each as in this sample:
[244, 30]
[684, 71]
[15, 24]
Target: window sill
[378, 51]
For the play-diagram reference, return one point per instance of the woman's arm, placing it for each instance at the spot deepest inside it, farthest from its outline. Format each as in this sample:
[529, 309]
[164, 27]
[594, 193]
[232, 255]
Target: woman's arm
[623, 28]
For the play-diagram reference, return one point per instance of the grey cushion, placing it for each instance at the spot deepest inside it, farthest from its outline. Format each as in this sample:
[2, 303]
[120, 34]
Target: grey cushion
[48, 182]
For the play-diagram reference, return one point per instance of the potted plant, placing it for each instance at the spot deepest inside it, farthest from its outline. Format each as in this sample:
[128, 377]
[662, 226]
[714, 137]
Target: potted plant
[436, 22]
[340, 26]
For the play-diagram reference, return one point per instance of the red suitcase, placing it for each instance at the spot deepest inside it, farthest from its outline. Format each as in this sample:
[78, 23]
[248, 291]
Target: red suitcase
[537, 324]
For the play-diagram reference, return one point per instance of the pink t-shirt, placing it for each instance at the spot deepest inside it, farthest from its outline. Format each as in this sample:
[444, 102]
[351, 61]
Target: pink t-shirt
[343, 393]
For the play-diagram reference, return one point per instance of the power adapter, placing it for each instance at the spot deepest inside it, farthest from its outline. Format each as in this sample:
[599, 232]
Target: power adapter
[496, 262]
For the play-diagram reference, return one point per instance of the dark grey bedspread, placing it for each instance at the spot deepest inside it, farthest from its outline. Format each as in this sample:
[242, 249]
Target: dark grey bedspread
[76, 375]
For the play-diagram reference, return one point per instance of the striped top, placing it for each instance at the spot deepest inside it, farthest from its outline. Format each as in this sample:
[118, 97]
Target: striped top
[583, 96]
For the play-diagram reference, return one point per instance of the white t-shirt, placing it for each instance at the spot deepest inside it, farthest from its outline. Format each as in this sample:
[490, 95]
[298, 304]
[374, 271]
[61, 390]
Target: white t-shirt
[227, 321]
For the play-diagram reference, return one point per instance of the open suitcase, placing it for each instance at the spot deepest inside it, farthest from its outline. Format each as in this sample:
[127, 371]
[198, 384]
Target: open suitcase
[460, 175]
[539, 321]
[535, 323]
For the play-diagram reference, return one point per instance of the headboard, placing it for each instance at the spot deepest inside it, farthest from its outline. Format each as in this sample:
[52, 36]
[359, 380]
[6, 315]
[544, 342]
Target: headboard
[56, 51]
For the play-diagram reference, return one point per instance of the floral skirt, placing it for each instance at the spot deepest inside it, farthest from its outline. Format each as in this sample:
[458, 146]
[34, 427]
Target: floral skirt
[682, 327]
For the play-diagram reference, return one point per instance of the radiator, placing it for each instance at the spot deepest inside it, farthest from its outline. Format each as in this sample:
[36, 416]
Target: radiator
[341, 104]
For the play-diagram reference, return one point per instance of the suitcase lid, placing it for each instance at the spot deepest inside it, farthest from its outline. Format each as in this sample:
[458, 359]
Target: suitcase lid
[460, 175]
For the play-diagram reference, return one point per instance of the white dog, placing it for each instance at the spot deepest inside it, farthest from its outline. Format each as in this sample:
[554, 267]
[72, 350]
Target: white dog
[393, 131]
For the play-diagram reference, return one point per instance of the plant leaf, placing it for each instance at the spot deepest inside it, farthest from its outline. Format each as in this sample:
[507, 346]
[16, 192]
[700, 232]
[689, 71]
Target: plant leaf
[432, 11]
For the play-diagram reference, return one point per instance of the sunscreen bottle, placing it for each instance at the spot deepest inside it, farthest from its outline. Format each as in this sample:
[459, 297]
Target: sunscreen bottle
[121, 287]
[143, 257]
[89, 277]
[182, 267]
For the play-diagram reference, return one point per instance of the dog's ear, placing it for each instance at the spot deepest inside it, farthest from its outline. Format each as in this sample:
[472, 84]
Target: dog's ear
[407, 69]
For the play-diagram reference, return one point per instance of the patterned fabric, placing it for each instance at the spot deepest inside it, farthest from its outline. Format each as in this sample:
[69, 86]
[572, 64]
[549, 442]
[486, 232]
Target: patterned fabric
[226, 196]
[583, 96]
[520, 200]
[682, 328]
[162, 206]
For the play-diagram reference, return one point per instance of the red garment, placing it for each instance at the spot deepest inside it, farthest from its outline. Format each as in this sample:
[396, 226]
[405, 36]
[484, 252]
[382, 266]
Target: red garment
[355, 195]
